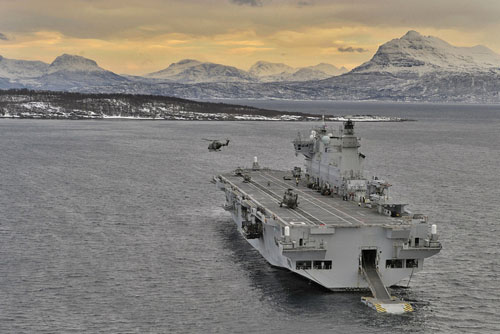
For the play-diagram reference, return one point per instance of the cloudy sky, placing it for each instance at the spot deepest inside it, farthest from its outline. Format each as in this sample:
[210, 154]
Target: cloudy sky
[141, 36]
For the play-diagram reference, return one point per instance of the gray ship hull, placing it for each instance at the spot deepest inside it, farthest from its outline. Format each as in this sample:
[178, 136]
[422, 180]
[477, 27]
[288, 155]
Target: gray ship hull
[330, 224]
[325, 239]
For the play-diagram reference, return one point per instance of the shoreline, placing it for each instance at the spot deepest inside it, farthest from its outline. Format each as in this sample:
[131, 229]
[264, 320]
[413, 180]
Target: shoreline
[215, 118]
[25, 104]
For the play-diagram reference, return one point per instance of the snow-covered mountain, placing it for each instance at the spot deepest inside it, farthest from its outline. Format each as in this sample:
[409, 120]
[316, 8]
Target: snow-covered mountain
[410, 68]
[268, 72]
[73, 63]
[74, 73]
[20, 69]
[193, 71]
[278, 72]
[420, 68]
[417, 54]
[317, 72]
[306, 74]
[329, 69]
[174, 69]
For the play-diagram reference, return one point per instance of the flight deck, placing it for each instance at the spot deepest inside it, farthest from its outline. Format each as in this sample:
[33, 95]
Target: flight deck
[266, 187]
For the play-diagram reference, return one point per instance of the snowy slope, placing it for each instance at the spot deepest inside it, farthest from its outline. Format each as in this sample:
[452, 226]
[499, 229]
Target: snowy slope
[193, 71]
[278, 72]
[328, 69]
[73, 63]
[19, 69]
[210, 72]
[263, 69]
[174, 69]
[73, 73]
[417, 54]
[317, 72]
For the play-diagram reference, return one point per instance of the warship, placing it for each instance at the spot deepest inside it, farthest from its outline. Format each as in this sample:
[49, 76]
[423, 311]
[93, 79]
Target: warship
[328, 222]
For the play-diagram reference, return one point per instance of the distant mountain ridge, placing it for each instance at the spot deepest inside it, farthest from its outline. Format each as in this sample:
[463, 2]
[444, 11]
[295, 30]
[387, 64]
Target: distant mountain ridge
[275, 72]
[411, 68]
[13, 68]
[194, 71]
[174, 69]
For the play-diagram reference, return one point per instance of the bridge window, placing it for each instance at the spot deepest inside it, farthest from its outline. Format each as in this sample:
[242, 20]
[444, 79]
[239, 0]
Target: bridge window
[322, 264]
[303, 265]
[411, 263]
[394, 263]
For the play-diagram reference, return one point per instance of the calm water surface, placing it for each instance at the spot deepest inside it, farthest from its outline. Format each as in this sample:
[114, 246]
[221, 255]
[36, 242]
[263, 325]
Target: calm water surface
[113, 226]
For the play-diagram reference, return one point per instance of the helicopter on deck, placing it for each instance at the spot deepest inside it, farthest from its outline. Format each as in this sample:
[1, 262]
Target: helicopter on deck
[290, 199]
[215, 145]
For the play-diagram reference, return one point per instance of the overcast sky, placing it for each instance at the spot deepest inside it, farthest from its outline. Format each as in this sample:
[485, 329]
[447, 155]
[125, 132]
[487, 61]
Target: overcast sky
[141, 36]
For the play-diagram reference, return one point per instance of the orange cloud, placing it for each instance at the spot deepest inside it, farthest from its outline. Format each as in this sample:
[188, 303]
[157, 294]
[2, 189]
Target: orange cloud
[247, 50]
[140, 36]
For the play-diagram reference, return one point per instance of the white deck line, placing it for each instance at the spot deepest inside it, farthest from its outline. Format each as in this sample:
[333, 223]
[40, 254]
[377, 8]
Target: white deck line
[295, 212]
[319, 200]
[298, 215]
[254, 200]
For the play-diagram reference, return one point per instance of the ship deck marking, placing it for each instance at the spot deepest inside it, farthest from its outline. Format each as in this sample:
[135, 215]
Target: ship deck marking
[291, 211]
[297, 212]
[266, 188]
[319, 200]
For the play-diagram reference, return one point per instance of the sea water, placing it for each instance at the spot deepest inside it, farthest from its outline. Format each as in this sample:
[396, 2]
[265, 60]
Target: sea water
[114, 226]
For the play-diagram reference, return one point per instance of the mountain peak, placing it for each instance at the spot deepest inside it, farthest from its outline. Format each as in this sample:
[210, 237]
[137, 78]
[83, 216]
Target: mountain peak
[73, 63]
[411, 35]
[416, 54]
[187, 61]
[194, 71]
[328, 69]
[267, 63]
[174, 69]
[267, 69]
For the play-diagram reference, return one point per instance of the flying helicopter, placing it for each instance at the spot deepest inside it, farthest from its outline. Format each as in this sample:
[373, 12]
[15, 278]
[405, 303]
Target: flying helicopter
[215, 145]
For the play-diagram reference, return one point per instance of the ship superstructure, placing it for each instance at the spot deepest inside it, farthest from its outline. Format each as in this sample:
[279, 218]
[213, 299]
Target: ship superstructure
[329, 223]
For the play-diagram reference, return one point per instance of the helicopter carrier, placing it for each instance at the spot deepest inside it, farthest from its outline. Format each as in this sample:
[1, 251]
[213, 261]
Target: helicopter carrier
[328, 223]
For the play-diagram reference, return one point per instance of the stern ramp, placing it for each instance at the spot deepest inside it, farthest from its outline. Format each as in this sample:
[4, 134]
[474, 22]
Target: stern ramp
[381, 301]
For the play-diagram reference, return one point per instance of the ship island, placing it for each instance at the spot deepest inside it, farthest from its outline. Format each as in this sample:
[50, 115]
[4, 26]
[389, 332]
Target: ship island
[329, 223]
